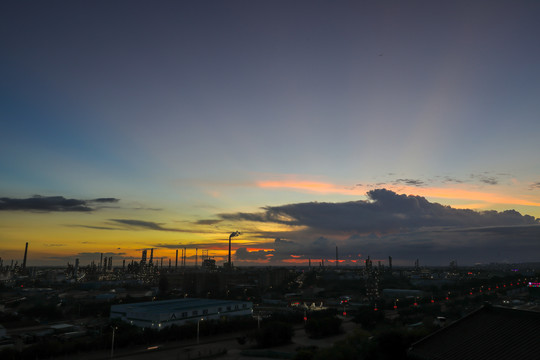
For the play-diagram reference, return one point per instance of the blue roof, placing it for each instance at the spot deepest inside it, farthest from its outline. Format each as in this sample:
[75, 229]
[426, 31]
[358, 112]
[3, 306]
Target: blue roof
[175, 305]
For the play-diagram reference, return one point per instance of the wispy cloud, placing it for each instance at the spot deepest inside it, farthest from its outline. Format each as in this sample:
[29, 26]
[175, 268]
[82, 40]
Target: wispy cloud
[94, 227]
[535, 185]
[410, 182]
[208, 222]
[40, 203]
[146, 225]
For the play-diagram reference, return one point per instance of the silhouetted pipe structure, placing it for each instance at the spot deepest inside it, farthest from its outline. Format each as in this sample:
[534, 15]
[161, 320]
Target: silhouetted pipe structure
[236, 233]
[25, 253]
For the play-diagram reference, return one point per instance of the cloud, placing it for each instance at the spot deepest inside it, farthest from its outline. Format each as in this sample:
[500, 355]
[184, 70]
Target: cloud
[105, 200]
[208, 222]
[448, 179]
[40, 203]
[535, 185]
[95, 227]
[404, 226]
[243, 254]
[384, 211]
[146, 225]
[410, 182]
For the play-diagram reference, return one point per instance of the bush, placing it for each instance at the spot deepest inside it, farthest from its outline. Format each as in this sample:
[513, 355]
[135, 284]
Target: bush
[273, 334]
[322, 327]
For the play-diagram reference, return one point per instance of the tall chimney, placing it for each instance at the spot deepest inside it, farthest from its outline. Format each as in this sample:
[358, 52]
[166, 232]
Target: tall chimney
[176, 264]
[236, 233]
[25, 253]
[337, 257]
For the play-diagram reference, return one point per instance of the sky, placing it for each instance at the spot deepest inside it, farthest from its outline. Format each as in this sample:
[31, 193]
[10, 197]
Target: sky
[384, 128]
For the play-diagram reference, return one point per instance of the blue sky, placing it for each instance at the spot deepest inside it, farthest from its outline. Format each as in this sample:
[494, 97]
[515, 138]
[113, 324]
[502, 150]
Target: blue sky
[188, 110]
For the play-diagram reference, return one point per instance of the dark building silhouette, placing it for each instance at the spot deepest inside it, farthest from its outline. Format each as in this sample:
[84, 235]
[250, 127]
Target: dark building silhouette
[490, 333]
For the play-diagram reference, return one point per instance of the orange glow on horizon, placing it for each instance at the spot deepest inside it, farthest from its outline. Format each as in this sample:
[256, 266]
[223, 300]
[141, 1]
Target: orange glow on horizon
[437, 192]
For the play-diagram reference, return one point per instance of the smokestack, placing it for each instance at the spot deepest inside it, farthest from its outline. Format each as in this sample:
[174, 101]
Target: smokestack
[390, 262]
[151, 257]
[196, 254]
[176, 264]
[25, 253]
[337, 257]
[101, 262]
[76, 268]
[236, 233]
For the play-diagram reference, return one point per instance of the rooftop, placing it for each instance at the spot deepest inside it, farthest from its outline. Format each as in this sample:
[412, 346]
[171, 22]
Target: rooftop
[175, 305]
[489, 333]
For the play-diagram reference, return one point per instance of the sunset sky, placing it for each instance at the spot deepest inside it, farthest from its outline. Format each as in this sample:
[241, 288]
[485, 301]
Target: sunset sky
[402, 128]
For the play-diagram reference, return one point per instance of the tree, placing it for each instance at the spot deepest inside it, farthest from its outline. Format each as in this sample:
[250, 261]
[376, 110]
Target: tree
[274, 333]
[322, 327]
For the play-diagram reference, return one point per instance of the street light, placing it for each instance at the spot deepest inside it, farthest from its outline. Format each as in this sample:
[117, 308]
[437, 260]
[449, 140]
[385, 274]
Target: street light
[198, 322]
[112, 342]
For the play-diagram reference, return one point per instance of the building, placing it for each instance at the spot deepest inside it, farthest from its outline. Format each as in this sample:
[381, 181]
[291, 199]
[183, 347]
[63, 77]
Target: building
[160, 314]
[490, 333]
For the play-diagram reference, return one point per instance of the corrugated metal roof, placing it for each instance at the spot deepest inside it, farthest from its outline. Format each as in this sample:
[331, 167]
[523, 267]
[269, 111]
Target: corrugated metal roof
[176, 305]
[489, 333]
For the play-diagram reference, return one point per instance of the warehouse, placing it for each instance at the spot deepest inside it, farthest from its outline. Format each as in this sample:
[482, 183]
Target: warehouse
[160, 314]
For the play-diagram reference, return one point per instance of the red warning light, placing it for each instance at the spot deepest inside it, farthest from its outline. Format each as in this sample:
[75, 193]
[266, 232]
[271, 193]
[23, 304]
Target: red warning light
[344, 313]
[470, 293]
[432, 301]
[395, 307]
[305, 318]
[447, 298]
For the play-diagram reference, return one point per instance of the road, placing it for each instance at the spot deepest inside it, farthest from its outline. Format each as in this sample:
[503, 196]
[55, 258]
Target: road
[214, 346]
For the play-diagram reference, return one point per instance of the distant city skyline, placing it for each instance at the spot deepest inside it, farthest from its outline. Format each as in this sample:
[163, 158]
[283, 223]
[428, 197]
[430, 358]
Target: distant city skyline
[403, 129]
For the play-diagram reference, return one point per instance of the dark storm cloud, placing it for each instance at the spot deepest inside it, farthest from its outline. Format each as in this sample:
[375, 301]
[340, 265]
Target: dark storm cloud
[404, 226]
[243, 254]
[146, 225]
[51, 203]
[384, 212]
[410, 182]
